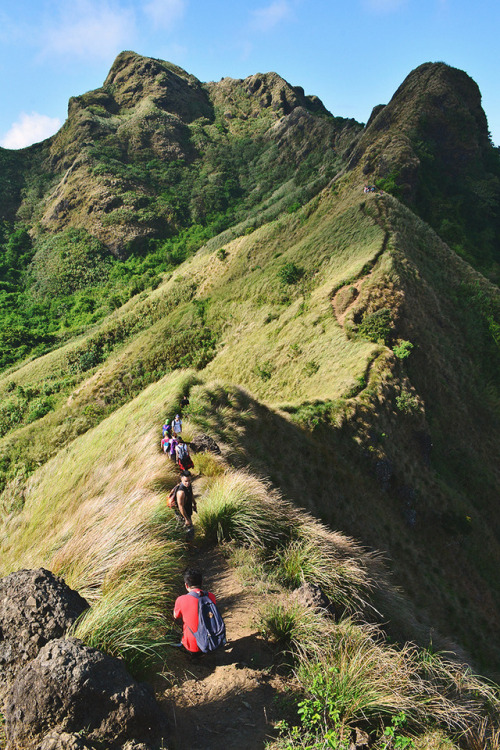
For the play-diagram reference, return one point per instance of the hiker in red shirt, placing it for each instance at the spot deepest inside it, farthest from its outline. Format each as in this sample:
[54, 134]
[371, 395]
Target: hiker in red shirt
[186, 607]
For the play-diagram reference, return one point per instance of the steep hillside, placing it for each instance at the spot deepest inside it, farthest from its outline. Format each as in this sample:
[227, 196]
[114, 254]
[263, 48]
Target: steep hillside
[341, 346]
[384, 435]
[431, 145]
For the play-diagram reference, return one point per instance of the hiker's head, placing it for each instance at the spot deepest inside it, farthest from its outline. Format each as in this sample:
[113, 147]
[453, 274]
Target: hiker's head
[186, 478]
[193, 578]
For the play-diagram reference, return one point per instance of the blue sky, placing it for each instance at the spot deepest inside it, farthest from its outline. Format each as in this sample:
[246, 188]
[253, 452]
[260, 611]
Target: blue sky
[353, 54]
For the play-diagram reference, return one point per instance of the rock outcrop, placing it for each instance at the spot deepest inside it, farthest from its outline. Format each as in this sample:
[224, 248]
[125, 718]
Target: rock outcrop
[204, 442]
[74, 696]
[35, 607]
[434, 115]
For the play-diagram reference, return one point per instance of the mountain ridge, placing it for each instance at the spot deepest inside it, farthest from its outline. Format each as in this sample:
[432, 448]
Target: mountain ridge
[343, 344]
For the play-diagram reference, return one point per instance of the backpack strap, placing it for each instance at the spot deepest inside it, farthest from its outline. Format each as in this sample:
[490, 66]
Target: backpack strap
[198, 596]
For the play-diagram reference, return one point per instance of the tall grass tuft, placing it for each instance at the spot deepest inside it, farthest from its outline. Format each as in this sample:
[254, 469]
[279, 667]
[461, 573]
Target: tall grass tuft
[131, 615]
[363, 677]
[238, 506]
[293, 546]
[334, 563]
[293, 626]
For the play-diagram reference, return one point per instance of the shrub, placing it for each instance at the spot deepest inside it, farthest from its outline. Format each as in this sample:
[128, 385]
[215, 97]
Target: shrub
[403, 349]
[69, 261]
[389, 184]
[38, 408]
[290, 273]
[407, 402]
[376, 326]
[265, 370]
[311, 368]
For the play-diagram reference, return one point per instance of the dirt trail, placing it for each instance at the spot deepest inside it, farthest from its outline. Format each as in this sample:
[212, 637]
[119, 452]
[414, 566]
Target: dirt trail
[223, 700]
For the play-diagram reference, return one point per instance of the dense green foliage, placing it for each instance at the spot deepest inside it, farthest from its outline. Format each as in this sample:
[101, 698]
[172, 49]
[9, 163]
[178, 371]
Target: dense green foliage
[464, 210]
[53, 286]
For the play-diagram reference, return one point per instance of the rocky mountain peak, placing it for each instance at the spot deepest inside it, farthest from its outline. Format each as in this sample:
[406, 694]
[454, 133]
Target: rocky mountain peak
[133, 78]
[261, 93]
[436, 112]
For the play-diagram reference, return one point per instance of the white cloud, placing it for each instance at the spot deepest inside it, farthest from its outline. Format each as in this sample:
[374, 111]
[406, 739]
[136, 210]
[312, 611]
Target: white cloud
[265, 19]
[165, 13]
[95, 30]
[30, 129]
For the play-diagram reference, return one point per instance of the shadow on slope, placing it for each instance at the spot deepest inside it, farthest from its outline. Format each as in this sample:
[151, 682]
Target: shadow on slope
[326, 472]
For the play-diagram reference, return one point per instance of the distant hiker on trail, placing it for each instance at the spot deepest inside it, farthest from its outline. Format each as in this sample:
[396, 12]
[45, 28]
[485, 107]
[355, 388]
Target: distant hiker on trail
[184, 401]
[181, 500]
[166, 430]
[183, 458]
[177, 425]
[165, 444]
[203, 628]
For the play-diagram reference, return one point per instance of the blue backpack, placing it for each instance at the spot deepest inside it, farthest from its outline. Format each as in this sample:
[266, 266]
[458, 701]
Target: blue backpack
[211, 631]
[183, 451]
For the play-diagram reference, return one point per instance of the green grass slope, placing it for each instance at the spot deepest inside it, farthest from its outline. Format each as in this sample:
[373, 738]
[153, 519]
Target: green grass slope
[95, 513]
[307, 313]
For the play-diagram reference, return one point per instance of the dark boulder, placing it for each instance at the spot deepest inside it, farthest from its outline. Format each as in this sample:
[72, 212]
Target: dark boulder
[35, 607]
[74, 689]
[204, 443]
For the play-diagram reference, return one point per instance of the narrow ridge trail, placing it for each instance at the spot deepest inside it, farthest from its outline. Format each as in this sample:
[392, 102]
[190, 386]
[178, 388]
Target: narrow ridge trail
[225, 699]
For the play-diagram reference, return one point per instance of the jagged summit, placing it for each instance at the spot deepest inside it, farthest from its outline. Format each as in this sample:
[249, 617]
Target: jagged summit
[125, 145]
[266, 91]
[133, 78]
[129, 60]
[430, 146]
[436, 108]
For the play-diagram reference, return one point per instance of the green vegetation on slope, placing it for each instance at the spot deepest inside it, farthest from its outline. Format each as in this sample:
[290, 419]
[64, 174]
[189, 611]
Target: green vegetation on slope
[369, 348]
[97, 517]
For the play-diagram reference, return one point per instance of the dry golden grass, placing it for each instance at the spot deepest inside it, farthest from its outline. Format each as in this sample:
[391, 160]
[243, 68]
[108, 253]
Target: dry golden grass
[241, 508]
[103, 476]
[95, 514]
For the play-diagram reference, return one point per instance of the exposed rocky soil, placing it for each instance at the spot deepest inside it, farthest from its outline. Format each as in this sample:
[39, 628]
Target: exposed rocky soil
[63, 695]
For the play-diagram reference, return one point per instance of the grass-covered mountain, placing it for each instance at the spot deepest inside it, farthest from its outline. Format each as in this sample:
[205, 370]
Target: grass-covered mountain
[345, 345]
